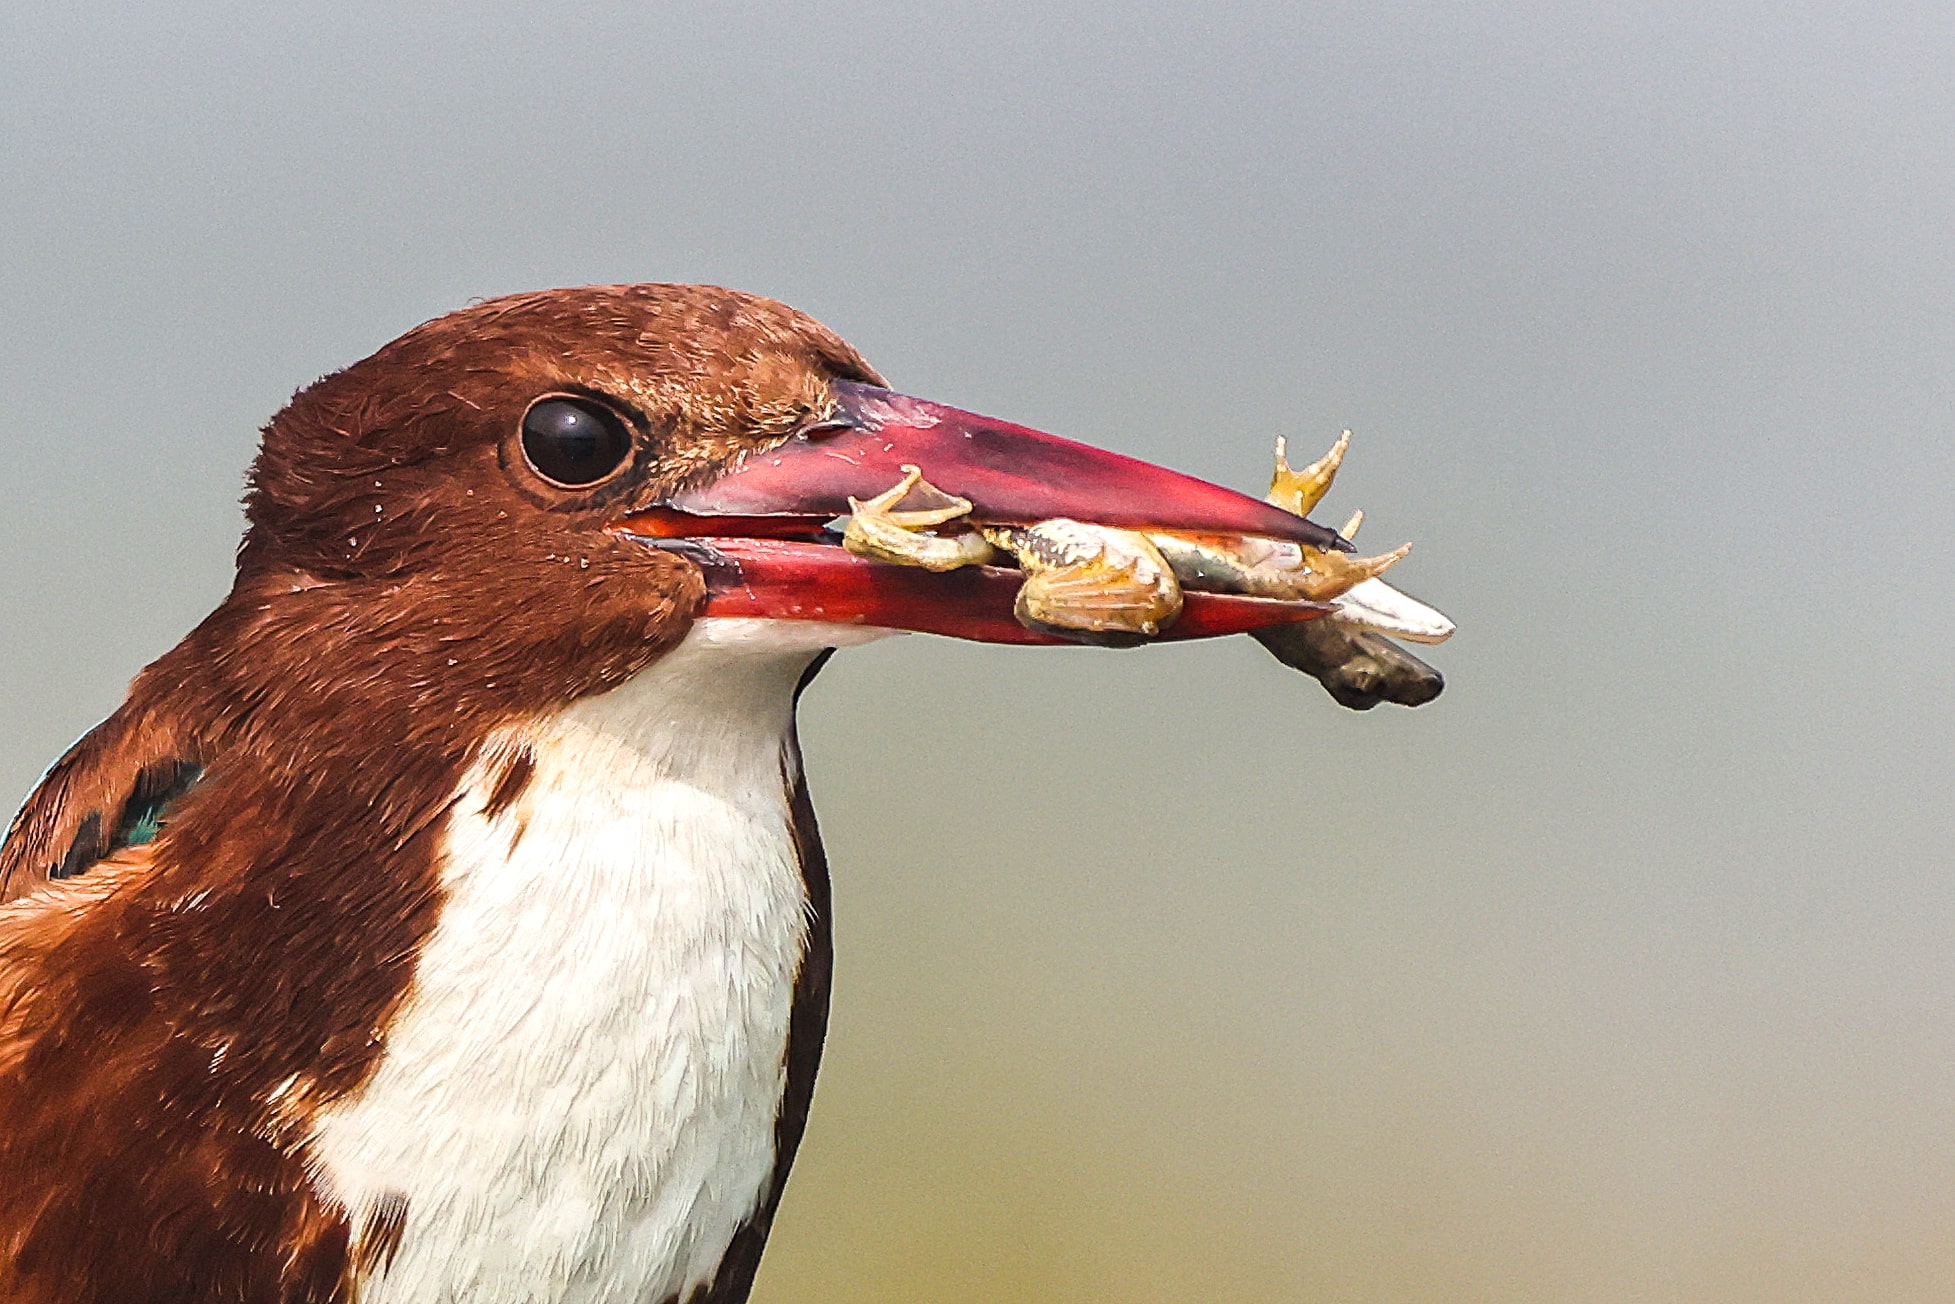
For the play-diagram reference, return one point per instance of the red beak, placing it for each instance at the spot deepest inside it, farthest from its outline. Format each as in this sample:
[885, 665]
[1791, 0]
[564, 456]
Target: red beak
[761, 530]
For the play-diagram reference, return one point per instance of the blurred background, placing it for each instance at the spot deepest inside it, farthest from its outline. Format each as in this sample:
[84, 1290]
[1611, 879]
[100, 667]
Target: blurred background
[1626, 971]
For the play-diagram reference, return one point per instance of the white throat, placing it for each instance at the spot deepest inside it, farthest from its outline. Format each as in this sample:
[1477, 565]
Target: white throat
[578, 1096]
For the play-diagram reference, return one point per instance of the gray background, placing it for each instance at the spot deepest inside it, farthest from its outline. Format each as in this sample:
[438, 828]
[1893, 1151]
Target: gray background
[1623, 972]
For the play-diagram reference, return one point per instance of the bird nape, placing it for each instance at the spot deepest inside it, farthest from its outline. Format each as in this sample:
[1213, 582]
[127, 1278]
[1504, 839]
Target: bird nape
[444, 918]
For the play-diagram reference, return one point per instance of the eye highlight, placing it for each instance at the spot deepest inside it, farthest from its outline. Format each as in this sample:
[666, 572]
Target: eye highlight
[574, 442]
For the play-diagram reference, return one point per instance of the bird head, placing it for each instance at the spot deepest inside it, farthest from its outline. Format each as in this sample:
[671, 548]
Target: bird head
[525, 503]
[535, 495]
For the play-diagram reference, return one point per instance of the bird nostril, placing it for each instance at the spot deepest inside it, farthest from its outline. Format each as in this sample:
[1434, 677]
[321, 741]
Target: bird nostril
[823, 430]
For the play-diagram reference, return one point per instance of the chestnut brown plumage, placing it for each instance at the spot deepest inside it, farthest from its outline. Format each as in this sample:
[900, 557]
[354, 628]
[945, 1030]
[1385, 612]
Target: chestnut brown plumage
[400, 594]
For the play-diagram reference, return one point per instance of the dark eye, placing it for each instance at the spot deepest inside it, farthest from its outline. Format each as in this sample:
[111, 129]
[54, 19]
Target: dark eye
[573, 441]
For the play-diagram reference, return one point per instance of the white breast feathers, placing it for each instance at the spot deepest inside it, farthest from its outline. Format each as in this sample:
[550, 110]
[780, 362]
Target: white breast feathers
[577, 1099]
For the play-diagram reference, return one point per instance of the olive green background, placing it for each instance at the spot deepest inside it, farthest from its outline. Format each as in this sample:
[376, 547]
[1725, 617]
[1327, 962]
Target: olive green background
[1626, 971]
